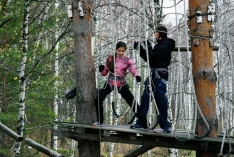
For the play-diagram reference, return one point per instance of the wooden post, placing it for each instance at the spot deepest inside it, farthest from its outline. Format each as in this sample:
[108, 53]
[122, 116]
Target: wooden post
[85, 73]
[203, 72]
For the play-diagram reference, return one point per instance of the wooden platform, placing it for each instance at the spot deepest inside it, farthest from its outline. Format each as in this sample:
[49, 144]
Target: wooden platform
[123, 134]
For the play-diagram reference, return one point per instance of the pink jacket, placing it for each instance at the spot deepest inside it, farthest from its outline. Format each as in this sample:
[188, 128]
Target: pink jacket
[121, 66]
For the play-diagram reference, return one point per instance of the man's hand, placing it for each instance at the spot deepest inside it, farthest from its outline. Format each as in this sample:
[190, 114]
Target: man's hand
[135, 45]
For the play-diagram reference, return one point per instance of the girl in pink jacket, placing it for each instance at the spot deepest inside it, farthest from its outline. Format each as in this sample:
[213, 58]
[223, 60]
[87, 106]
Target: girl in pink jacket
[122, 64]
[117, 77]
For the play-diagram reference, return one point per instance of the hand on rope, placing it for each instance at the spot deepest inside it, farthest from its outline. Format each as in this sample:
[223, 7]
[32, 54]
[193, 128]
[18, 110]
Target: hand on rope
[135, 45]
[148, 44]
[101, 68]
[138, 78]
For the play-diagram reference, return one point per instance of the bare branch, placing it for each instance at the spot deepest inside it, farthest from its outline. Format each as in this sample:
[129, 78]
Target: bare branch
[4, 22]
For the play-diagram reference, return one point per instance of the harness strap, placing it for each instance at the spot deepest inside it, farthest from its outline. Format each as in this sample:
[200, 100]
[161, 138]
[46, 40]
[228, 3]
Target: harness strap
[112, 87]
[157, 74]
[113, 74]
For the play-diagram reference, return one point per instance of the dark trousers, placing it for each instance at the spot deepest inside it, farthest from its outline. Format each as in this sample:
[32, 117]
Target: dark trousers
[128, 97]
[159, 91]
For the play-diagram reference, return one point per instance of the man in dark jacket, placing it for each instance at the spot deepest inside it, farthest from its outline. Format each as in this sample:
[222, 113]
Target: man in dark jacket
[159, 60]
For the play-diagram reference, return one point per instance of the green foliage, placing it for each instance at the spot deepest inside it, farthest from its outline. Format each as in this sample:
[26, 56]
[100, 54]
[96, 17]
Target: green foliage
[8, 118]
[4, 152]
[67, 152]
[44, 23]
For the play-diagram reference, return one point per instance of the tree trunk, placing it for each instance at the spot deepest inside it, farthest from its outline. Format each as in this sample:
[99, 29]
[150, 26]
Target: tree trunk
[56, 83]
[22, 79]
[203, 72]
[3, 109]
[85, 74]
[3, 74]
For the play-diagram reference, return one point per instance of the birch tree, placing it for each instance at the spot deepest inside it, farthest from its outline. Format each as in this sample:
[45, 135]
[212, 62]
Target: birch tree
[56, 69]
[23, 80]
[41, 62]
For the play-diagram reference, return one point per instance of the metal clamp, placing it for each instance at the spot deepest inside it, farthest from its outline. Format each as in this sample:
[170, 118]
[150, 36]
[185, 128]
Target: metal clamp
[199, 16]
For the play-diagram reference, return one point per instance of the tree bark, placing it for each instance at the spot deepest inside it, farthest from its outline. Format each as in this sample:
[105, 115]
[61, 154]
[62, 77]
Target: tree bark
[85, 74]
[56, 83]
[203, 72]
[22, 78]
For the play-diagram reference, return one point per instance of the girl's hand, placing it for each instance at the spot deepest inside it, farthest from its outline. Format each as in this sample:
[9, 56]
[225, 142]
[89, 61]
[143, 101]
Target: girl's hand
[101, 68]
[138, 78]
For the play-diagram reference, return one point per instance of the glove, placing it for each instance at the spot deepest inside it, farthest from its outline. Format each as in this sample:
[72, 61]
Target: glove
[71, 94]
[138, 78]
[101, 68]
[135, 45]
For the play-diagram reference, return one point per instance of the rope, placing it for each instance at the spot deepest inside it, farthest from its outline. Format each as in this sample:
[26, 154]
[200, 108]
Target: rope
[181, 110]
[114, 51]
[112, 39]
[150, 86]
[224, 82]
[134, 105]
[203, 118]
[222, 58]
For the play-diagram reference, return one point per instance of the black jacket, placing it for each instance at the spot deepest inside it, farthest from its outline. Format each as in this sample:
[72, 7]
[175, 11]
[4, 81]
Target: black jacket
[160, 55]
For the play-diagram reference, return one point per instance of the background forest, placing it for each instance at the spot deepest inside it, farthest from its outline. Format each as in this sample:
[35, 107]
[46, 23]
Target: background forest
[37, 68]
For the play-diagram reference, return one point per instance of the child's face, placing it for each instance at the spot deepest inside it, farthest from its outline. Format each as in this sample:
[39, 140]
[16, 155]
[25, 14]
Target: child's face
[120, 51]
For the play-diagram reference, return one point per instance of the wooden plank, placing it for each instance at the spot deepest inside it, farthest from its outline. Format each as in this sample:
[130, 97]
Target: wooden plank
[106, 133]
[147, 140]
[126, 129]
[116, 128]
[123, 134]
